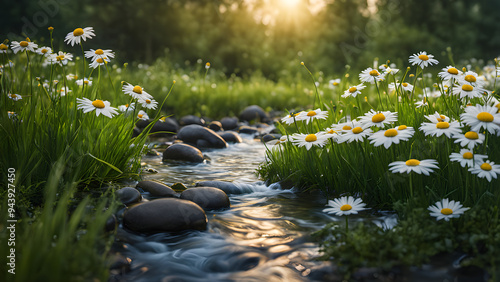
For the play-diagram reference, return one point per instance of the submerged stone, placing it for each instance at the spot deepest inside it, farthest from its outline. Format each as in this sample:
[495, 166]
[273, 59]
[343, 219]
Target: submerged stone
[209, 198]
[129, 195]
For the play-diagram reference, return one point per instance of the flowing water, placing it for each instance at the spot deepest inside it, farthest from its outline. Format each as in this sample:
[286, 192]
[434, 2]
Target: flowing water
[264, 236]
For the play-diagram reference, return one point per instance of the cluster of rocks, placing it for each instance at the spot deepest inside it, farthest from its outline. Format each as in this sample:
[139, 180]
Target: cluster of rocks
[192, 134]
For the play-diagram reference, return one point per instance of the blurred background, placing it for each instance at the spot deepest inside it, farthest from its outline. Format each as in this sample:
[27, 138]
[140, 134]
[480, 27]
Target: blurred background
[267, 36]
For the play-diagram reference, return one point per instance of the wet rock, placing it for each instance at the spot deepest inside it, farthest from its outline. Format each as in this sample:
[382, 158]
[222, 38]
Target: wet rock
[215, 125]
[201, 137]
[179, 187]
[245, 129]
[165, 215]
[141, 124]
[191, 119]
[111, 223]
[254, 112]
[128, 195]
[182, 152]
[165, 128]
[268, 137]
[231, 137]
[229, 123]
[152, 153]
[227, 187]
[209, 198]
[156, 189]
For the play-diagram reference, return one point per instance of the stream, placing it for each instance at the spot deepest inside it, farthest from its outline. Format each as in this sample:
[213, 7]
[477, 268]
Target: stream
[263, 236]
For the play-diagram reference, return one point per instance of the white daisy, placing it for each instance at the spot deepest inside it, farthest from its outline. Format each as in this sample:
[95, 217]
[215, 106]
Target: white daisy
[23, 45]
[207, 65]
[436, 117]
[11, 115]
[379, 119]
[449, 72]
[354, 90]
[345, 206]
[357, 133]
[440, 128]
[469, 139]
[44, 51]
[100, 107]
[60, 58]
[422, 59]
[142, 115]
[486, 169]
[370, 75]
[135, 91]
[99, 53]
[420, 104]
[333, 83]
[467, 91]
[15, 97]
[410, 130]
[308, 140]
[78, 34]
[148, 103]
[99, 62]
[289, 119]
[331, 133]
[482, 117]
[3, 48]
[83, 81]
[472, 78]
[420, 167]
[389, 137]
[389, 70]
[127, 109]
[342, 126]
[446, 209]
[467, 158]
[309, 116]
[405, 86]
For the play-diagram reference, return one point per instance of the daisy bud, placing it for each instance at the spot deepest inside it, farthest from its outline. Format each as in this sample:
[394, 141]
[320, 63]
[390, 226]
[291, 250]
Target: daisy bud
[464, 69]
[50, 28]
[302, 63]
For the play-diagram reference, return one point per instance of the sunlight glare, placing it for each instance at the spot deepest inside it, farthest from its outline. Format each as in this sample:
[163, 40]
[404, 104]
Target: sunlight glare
[290, 3]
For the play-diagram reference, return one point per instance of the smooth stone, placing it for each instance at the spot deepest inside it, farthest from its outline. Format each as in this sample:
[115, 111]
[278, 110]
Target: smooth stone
[229, 123]
[191, 119]
[141, 124]
[209, 198]
[182, 152]
[129, 195]
[215, 125]
[156, 189]
[245, 129]
[227, 187]
[193, 133]
[165, 128]
[111, 223]
[165, 215]
[179, 187]
[268, 137]
[231, 137]
[254, 112]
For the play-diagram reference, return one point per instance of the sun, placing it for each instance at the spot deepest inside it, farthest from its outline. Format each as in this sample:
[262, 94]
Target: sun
[289, 3]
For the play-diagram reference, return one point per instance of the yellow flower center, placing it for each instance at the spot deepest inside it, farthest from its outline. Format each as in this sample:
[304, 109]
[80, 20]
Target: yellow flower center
[471, 135]
[412, 162]
[207, 64]
[442, 125]
[99, 52]
[148, 101]
[43, 51]
[346, 127]
[86, 82]
[470, 78]
[98, 104]
[446, 211]
[139, 115]
[485, 117]
[423, 57]
[3, 47]
[468, 155]
[378, 118]
[453, 71]
[346, 207]
[486, 166]
[467, 87]
[352, 89]
[374, 73]
[60, 57]
[311, 138]
[99, 60]
[78, 32]
[311, 113]
[23, 44]
[405, 84]
[390, 133]
[335, 83]
[331, 131]
[402, 127]
[357, 130]
[137, 89]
